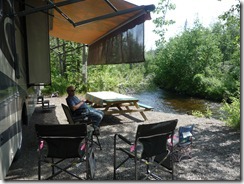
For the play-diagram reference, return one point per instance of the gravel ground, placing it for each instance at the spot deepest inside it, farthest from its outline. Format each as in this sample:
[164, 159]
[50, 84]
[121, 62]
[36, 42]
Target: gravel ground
[216, 148]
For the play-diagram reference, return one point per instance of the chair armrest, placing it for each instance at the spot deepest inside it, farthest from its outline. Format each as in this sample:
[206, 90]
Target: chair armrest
[77, 118]
[123, 139]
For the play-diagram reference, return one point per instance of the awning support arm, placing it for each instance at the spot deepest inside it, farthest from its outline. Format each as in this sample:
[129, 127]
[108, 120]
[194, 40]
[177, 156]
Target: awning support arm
[111, 5]
[110, 15]
[46, 7]
[62, 13]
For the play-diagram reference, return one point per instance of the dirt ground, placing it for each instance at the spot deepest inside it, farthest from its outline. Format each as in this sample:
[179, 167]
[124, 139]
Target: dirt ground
[215, 154]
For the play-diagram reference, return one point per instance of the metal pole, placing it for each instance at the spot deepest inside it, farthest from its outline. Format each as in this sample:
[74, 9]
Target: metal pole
[84, 65]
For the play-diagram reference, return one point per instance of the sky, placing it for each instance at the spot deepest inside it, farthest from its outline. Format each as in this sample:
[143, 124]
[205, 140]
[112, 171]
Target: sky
[207, 11]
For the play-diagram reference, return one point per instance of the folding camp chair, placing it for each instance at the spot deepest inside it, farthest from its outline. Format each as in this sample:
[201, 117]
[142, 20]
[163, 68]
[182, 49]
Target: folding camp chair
[83, 118]
[74, 119]
[183, 143]
[61, 147]
[149, 147]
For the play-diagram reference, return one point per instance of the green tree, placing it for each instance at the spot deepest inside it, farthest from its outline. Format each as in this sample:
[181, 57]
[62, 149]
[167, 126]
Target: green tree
[66, 69]
[161, 22]
[231, 47]
[203, 62]
[188, 62]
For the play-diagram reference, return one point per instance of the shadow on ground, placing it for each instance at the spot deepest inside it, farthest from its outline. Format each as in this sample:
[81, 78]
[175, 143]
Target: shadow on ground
[216, 148]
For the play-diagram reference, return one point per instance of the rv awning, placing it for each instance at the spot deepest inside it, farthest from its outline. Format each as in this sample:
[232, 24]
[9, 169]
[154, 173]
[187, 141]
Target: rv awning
[113, 29]
[87, 21]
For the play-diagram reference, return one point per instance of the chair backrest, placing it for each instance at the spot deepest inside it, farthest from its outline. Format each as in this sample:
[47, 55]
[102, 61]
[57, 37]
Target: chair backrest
[63, 141]
[154, 137]
[68, 114]
[185, 134]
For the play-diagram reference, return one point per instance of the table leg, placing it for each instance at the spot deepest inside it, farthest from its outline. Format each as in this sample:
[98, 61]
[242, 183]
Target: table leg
[142, 113]
[118, 106]
[127, 108]
[107, 106]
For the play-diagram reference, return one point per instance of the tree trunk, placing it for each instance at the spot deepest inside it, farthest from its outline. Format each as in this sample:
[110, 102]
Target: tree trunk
[84, 65]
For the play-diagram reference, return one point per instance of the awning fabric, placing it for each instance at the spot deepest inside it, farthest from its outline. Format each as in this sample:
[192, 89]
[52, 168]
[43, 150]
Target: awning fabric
[85, 10]
[113, 30]
[124, 46]
[110, 28]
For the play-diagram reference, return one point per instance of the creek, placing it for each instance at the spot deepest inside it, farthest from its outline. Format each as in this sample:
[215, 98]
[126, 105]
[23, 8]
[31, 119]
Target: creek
[167, 102]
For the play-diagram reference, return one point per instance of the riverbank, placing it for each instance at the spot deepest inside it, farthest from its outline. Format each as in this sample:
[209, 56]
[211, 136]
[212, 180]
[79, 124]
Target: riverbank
[168, 102]
[216, 147]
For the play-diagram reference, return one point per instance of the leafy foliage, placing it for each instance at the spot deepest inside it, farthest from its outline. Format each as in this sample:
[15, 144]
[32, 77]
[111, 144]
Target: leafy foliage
[121, 78]
[206, 114]
[232, 113]
[67, 69]
[204, 62]
[161, 22]
[194, 63]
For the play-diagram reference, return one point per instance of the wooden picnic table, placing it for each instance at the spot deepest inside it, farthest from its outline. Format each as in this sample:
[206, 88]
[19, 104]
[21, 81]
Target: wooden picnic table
[108, 99]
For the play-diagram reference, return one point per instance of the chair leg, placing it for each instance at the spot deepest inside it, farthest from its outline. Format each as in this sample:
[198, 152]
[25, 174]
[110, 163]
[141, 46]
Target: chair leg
[39, 169]
[87, 161]
[172, 162]
[52, 166]
[98, 142]
[136, 174]
[114, 157]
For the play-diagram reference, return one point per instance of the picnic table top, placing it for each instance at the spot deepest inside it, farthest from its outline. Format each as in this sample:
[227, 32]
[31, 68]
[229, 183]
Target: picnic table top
[109, 96]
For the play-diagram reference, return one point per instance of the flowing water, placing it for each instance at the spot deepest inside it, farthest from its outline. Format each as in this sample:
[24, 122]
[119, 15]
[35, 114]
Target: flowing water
[178, 104]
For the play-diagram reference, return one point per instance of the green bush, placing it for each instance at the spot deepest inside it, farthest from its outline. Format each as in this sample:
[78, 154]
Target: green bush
[197, 114]
[59, 85]
[121, 78]
[231, 113]
[206, 114]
